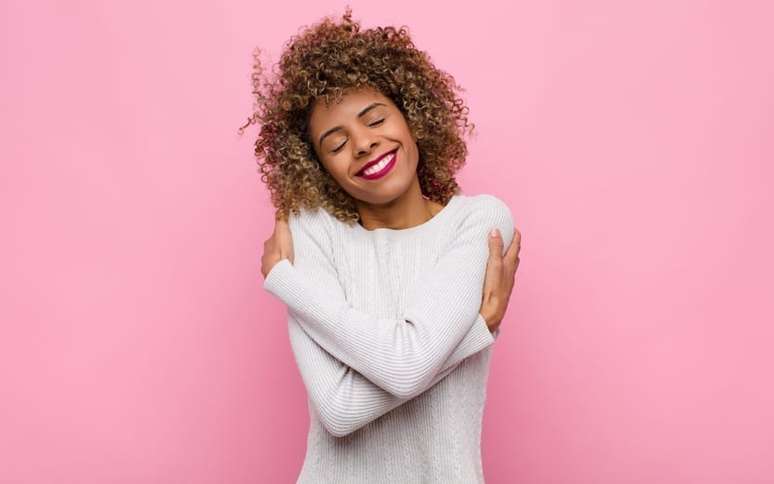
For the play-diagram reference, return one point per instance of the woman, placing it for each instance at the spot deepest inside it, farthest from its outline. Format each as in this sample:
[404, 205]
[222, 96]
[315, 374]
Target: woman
[380, 259]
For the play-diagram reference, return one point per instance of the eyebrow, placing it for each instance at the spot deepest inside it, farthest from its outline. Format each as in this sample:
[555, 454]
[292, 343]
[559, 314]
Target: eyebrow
[360, 114]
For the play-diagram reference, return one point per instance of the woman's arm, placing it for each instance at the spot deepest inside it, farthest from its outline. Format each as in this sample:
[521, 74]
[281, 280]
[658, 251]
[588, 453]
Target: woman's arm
[343, 399]
[402, 356]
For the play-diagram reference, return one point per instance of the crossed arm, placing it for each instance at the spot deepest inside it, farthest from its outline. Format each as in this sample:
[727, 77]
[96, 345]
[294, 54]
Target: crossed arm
[357, 367]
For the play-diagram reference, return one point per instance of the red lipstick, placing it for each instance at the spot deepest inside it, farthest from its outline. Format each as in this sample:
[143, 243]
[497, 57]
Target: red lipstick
[386, 162]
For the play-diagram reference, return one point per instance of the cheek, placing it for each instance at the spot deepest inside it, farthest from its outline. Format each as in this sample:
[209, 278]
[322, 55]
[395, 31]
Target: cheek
[412, 150]
[339, 171]
[411, 143]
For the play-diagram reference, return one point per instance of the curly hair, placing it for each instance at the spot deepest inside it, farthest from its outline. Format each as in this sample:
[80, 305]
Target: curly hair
[325, 61]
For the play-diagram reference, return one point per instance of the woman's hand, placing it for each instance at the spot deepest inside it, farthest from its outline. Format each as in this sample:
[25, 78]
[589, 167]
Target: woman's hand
[500, 276]
[277, 247]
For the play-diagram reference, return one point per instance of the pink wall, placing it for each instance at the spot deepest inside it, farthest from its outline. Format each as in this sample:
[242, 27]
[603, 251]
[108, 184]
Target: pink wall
[632, 140]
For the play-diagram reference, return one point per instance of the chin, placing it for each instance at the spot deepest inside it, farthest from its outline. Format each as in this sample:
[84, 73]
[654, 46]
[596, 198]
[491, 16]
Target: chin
[384, 193]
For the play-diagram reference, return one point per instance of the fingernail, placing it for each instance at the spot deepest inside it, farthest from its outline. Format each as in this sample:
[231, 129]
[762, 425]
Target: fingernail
[493, 233]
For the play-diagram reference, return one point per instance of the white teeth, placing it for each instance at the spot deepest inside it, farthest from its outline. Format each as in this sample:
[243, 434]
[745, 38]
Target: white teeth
[377, 167]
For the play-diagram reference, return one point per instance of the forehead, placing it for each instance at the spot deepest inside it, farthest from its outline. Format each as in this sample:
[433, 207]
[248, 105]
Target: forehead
[348, 106]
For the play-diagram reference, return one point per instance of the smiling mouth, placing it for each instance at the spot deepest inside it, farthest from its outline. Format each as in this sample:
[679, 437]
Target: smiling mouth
[380, 167]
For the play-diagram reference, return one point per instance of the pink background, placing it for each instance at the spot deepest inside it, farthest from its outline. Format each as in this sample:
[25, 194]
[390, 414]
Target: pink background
[633, 142]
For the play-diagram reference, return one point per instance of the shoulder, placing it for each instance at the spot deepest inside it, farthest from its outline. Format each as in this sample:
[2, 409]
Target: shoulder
[484, 208]
[308, 215]
[311, 223]
[485, 211]
[488, 204]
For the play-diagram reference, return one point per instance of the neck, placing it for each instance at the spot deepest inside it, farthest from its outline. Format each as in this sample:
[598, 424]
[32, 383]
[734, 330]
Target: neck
[408, 210]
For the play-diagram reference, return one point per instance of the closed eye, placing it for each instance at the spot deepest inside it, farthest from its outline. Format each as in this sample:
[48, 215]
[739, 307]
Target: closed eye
[375, 123]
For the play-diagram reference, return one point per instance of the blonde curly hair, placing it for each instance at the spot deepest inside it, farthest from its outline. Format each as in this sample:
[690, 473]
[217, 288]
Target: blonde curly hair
[325, 61]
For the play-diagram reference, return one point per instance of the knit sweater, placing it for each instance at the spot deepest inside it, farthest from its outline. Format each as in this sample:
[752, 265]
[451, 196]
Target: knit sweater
[385, 328]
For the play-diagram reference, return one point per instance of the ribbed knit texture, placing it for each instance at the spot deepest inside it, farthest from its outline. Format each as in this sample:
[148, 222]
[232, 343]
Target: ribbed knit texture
[385, 328]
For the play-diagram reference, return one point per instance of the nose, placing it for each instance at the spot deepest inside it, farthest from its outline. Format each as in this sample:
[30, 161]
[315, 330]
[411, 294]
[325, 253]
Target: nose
[363, 140]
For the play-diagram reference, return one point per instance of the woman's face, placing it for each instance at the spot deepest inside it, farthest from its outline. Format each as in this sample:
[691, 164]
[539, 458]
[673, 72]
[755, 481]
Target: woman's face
[363, 127]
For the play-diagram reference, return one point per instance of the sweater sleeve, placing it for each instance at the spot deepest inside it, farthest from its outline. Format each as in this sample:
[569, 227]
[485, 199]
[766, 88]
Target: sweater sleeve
[402, 356]
[343, 399]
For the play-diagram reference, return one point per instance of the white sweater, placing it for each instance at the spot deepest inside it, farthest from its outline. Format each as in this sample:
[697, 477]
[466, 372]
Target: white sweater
[385, 328]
